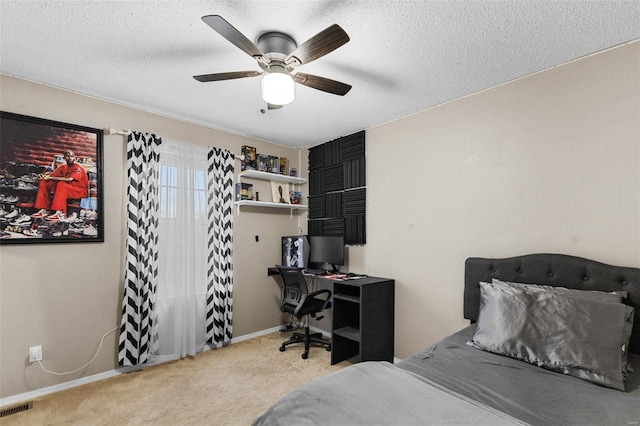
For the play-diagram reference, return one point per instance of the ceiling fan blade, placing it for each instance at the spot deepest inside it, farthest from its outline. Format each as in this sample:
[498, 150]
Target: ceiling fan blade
[229, 32]
[272, 106]
[226, 76]
[317, 46]
[321, 83]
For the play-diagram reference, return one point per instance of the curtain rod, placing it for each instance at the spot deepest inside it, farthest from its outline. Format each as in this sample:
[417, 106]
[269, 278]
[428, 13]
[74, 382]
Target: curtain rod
[111, 131]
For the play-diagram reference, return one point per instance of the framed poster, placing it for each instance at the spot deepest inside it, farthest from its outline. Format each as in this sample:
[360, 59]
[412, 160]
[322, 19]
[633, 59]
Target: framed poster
[50, 181]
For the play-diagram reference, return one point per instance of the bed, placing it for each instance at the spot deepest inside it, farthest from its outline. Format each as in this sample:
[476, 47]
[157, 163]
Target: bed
[550, 341]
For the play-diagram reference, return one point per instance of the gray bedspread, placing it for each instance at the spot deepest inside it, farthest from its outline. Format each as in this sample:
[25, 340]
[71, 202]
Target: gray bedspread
[453, 383]
[378, 393]
[526, 392]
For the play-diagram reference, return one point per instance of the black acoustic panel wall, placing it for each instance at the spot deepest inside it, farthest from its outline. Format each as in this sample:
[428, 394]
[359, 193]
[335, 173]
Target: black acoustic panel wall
[354, 173]
[314, 227]
[337, 169]
[317, 207]
[333, 178]
[333, 205]
[316, 182]
[355, 230]
[316, 157]
[354, 202]
[333, 227]
[353, 146]
[332, 153]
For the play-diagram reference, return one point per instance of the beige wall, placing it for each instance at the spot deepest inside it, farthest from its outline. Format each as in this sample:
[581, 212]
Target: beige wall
[66, 296]
[548, 163]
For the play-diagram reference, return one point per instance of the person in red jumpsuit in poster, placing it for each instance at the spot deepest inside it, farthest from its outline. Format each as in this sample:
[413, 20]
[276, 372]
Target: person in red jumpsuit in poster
[67, 181]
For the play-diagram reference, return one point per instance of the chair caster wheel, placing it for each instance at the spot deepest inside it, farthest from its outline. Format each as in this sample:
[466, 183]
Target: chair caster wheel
[281, 348]
[305, 355]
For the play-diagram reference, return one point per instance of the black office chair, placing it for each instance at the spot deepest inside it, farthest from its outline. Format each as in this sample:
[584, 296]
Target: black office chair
[298, 302]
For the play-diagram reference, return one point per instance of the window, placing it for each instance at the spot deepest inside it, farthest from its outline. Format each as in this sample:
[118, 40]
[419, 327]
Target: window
[182, 249]
[179, 185]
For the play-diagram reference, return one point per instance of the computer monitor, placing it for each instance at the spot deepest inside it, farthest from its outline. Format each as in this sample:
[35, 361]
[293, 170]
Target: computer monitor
[326, 249]
[295, 251]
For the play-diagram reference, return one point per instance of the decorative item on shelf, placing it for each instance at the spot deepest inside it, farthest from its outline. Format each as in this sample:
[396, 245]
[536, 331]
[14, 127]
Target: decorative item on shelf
[244, 191]
[278, 191]
[293, 172]
[284, 166]
[274, 164]
[249, 161]
[295, 197]
[263, 162]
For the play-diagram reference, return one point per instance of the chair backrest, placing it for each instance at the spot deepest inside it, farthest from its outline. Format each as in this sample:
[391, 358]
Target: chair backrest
[294, 286]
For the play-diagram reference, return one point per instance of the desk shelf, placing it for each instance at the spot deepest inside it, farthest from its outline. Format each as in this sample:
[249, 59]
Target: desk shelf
[363, 320]
[354, 299]
[351, 333]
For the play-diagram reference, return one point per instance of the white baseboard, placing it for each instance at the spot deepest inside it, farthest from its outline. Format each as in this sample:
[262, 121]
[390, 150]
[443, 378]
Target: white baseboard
[27, 396]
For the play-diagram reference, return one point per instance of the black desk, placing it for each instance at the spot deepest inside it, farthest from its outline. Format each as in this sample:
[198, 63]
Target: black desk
[363, 317]
[272, 270]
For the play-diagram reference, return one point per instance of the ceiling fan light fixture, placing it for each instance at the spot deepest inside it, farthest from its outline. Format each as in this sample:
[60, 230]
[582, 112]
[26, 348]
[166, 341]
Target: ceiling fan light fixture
[277, 86]
[278, 55]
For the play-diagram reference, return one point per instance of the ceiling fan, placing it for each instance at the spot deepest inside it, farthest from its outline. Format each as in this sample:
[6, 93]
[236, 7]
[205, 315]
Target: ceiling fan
[278, 55]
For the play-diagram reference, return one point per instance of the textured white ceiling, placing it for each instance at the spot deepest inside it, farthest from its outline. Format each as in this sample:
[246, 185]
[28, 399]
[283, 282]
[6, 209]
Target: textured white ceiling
[403, 57]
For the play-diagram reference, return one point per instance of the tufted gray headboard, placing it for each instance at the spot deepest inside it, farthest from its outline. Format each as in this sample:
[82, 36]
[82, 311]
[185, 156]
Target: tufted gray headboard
[557, 270]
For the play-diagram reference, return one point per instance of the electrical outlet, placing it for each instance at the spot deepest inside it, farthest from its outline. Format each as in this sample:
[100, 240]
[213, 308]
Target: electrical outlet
[35, 353]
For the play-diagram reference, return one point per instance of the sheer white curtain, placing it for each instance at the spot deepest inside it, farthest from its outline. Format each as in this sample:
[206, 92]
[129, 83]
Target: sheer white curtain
[182, 250]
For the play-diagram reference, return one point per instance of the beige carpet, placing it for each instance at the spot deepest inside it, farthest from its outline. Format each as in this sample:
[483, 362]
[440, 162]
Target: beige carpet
[228, 386]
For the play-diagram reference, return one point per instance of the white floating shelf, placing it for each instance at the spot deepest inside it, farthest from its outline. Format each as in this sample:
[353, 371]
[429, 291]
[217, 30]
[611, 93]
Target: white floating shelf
[254, 174]
[268, 204]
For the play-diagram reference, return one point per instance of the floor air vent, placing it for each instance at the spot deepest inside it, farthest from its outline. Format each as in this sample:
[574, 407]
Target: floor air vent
[15, 409]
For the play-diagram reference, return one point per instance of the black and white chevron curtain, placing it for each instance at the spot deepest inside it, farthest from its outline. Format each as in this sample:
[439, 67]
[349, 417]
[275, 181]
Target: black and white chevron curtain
[219, 310]
[139, 324]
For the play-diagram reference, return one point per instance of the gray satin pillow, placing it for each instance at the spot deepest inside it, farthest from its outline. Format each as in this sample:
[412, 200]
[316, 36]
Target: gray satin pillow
[614, 296]
[576, 336]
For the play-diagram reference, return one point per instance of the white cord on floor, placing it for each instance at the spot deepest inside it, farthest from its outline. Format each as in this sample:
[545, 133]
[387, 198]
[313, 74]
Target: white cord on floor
[88, 363]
